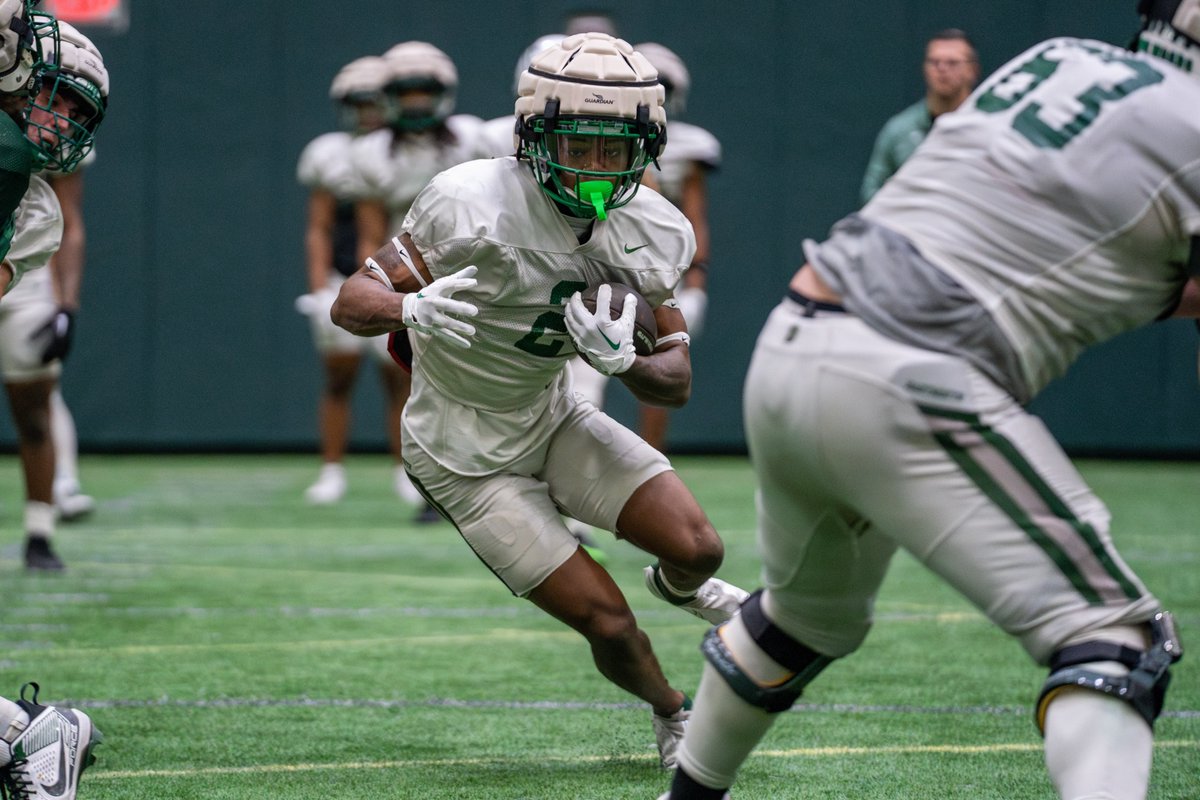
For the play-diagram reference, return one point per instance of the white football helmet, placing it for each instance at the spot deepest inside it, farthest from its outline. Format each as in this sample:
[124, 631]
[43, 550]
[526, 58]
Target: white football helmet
[1171, 31]
[590, 120]
[64, 116]
[422, 84]
[672, 74]
[22, 32]
[357, 89]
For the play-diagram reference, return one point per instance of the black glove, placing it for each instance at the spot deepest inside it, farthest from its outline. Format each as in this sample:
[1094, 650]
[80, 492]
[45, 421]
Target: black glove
[57, 334]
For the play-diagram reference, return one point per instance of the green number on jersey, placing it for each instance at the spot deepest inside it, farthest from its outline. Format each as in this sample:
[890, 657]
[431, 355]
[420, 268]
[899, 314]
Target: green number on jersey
[550, 321]
[1015, 86]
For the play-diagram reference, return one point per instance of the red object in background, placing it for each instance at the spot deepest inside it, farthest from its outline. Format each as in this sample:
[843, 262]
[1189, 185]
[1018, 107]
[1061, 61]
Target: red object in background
[113, 14]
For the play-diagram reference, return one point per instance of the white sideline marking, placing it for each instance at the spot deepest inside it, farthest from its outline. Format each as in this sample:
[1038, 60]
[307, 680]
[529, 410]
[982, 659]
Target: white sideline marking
[801, 752]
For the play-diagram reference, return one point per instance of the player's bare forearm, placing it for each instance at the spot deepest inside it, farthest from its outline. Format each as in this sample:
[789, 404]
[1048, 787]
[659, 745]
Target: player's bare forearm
[6, 276]
[366, 307]
[663, 378]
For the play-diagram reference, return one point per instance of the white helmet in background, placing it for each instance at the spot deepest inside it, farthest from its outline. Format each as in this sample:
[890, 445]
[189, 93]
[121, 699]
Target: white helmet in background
[22, 31]
[422, 83]
[1171, 31]
[591, 90]
[358, 91]
[75, 78]
[672, 74]
[531, 52]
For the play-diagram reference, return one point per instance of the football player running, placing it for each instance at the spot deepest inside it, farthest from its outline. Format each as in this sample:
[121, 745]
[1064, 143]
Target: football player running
[62, 124]
[485, 276]
[884, 403]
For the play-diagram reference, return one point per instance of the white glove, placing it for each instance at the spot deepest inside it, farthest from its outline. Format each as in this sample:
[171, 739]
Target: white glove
[606, 343]
[429, 310]
[693, 301]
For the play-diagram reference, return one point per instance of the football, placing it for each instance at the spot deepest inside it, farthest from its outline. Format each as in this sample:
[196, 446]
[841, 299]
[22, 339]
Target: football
[645, 329]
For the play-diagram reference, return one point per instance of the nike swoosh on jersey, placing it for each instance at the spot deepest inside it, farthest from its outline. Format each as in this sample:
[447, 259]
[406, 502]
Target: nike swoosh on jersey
[629, 249]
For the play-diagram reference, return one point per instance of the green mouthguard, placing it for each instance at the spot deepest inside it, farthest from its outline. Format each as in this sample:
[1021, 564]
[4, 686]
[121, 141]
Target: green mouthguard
[596, 193]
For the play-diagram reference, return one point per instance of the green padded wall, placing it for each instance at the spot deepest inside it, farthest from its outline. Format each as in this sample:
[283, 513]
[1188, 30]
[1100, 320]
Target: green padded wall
[188, 338]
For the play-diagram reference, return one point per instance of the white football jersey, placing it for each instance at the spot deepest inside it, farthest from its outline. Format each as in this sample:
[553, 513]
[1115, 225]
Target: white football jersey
[395, 169]
[478, 409]
[686, 144]
[325, 164]
[1061, 196]
[37, 237]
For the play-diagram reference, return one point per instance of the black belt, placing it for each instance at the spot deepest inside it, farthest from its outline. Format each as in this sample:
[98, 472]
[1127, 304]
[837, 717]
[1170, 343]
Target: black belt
[811, 307]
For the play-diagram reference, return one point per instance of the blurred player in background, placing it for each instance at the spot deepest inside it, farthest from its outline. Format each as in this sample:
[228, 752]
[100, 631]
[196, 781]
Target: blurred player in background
[423, 137]
[885, 402]
[22, 33]
[951, 70]
[331, 250]
[62, 123]
[43, 749]
[493, 433]
[684, 166]
[66, 271]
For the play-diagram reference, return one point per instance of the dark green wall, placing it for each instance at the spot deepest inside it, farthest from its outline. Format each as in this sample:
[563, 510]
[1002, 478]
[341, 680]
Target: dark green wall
[188, 338]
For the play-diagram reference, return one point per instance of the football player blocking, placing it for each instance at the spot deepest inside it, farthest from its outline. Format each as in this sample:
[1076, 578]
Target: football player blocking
[884, 403]
[486, 275]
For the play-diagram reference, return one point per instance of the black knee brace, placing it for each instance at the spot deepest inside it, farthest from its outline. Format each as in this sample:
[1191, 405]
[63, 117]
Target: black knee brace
[783, 649]
[1144, 688]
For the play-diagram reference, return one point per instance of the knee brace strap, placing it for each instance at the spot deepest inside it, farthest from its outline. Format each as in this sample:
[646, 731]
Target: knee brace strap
[801, 660]
[1145, 687]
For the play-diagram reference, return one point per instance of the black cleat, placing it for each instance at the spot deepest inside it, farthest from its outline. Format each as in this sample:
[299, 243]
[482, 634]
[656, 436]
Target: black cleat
[40, 556]
[427, 514]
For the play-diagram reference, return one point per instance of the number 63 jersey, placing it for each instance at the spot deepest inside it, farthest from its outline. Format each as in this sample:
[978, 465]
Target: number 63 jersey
[1062, 196]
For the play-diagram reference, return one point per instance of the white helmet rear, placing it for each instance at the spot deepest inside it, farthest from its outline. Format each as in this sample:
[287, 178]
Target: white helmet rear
[73, 101]
[362, 77]
[590, 87]
[430, 80]
[531, 52]
[672, 74]
[1171, 31]
[358, 91]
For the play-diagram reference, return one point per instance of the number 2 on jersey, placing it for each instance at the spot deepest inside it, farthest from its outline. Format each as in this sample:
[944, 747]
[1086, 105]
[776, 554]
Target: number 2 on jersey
[550, 321]
[1028, 122]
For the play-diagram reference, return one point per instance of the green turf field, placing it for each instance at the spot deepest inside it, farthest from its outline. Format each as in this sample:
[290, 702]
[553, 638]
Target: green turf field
[233, 643]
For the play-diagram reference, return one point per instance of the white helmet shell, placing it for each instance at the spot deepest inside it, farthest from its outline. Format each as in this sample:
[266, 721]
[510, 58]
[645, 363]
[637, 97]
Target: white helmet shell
[19, 53]
[416, 60]
[591, 75]
[532, 52]
[672, 74]
[362, 76]
[78, 57]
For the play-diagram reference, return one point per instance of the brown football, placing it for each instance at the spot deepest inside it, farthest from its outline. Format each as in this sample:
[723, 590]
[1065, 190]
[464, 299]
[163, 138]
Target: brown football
[645, 329]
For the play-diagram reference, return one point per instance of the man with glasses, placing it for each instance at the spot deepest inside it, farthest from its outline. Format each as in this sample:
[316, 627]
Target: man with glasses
[951, 71]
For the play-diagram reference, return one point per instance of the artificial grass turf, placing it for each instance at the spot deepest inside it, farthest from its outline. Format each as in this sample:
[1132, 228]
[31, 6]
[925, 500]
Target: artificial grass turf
[233, 642]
